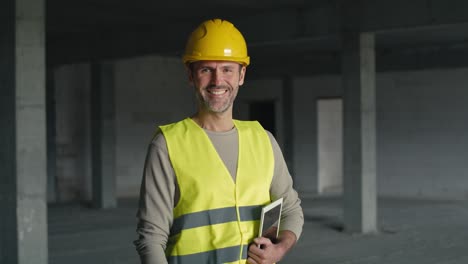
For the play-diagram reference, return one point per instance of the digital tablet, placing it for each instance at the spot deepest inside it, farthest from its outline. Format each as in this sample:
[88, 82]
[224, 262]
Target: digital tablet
[270, 220]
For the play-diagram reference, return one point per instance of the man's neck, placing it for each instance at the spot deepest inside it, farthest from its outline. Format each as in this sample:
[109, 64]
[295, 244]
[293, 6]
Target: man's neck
[214, 122]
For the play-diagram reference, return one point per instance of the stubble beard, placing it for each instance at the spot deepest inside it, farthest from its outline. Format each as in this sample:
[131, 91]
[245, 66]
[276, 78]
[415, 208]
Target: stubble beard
[210, 105]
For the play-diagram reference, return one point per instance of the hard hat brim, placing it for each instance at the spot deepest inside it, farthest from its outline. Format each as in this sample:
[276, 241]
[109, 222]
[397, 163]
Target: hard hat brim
[189, 59]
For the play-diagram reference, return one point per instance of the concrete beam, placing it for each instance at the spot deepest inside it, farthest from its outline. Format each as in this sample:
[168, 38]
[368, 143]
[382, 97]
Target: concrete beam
[328, 62]
[272, 27]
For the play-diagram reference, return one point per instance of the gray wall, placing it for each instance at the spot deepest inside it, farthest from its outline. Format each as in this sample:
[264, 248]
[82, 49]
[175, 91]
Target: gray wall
[422, 138]
[261, 90]
[73, 150]
[421, 132]
[421, 144]
[150, 91]
[306, 93]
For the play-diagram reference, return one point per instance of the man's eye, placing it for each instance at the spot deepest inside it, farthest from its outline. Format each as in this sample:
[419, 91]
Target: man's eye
[204, 70]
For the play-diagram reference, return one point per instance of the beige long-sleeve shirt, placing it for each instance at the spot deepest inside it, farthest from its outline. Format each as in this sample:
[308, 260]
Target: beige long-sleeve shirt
[159, 193]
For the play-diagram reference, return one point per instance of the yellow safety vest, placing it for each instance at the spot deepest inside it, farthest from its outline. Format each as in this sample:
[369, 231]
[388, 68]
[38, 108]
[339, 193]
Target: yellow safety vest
[216, 218]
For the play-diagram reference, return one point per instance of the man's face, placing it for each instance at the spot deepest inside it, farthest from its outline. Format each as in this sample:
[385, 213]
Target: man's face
[216, 84]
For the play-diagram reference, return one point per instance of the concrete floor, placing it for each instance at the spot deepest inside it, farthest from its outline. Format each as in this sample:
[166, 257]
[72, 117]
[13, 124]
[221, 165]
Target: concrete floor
[411, 231]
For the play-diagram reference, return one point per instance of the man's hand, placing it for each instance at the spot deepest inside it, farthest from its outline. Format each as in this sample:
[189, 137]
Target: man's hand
[263, 251]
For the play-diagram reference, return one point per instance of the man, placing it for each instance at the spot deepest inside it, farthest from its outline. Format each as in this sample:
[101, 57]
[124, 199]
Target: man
[206, 176]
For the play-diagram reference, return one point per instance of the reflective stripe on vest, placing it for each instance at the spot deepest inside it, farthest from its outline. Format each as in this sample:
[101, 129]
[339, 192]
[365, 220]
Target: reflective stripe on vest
[216, 218]
[222, 255]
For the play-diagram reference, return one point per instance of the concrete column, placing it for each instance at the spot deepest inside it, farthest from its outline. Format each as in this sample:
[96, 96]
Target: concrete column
[288, 137]
[23, 179]
[358, 71]
[51, 137]
[103, 135]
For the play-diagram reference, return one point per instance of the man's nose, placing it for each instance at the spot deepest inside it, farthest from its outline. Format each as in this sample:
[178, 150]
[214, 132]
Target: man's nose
[216, 78]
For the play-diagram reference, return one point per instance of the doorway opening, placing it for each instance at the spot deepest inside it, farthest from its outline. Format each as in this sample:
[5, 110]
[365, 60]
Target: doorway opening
[330, 145]
[264, 112]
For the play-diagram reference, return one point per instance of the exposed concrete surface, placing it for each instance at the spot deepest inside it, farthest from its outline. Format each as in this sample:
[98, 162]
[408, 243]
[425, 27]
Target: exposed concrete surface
[103, 135]
[359, 130]
[421, 125]
[23, 149]
[410, 231]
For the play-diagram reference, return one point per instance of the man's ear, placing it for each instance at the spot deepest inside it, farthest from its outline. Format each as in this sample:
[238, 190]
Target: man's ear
[188, 70]
[242, 75]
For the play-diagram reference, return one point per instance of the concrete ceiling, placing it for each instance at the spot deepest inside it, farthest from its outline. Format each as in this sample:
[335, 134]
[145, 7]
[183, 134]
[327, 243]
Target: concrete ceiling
[299, 33]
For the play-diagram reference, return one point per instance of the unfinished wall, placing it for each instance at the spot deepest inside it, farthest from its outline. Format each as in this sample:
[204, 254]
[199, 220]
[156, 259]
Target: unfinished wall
[261, 90]
[150, 91]
[421, 124]
[73, 162]
[421, 132]
[306, 93]
[422, 137]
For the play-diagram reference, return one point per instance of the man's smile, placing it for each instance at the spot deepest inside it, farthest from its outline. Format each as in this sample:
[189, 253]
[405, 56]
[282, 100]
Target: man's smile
[217, 91]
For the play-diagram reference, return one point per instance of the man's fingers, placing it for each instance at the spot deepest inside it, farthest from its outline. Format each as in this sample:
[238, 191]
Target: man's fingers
[251, 261]
[257, 254]
[255, 251]
[262, 241]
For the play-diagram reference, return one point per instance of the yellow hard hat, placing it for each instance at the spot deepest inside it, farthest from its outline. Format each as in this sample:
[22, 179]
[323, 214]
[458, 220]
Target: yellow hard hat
[216, 39]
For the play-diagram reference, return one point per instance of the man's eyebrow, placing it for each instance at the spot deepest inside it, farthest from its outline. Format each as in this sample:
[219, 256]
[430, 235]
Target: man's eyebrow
[205, 67]
[228, 66]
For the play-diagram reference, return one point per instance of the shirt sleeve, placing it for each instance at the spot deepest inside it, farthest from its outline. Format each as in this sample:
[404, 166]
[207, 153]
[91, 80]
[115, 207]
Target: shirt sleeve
[155, 204]
[292, 216]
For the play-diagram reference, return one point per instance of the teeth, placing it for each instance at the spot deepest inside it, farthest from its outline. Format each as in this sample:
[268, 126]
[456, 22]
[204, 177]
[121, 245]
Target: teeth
[218, 92]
